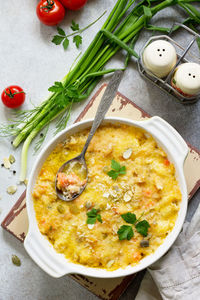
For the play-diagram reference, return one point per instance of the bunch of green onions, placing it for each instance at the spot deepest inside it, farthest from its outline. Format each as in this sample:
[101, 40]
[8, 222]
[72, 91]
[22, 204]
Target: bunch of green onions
[120, 31]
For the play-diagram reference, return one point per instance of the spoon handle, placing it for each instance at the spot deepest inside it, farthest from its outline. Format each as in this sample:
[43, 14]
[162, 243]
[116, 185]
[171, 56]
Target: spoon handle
[104, 105]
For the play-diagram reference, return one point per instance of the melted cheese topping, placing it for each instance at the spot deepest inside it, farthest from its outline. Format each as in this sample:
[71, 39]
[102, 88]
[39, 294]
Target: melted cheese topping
[149, 187]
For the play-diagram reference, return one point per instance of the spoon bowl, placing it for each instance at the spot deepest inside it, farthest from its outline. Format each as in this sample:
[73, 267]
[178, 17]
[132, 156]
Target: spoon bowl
[80, 159]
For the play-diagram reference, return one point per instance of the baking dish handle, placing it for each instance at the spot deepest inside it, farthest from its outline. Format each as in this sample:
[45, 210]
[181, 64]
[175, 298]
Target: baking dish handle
[168, 136]
[43, 256]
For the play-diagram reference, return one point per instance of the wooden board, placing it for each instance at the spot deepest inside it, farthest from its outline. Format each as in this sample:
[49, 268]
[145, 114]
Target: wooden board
[16, 222]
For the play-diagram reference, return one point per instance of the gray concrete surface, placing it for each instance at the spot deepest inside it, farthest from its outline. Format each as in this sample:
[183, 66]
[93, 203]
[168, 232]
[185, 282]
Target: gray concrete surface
[28, 58]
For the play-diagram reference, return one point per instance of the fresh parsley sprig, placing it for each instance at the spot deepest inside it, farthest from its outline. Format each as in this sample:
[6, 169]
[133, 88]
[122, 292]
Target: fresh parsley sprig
[93, 215]
[117, 169]
[126, 232]
[68, 92]
[62, 37]
[65, 96]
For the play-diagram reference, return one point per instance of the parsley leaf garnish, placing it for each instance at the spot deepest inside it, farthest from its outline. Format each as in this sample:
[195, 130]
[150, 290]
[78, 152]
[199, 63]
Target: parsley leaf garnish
[99, 218]
[142, 227]
[125, 232]
[117, 169]
[77, 40]
[129, 218]
[115, 165]
[74, 26]
[62, 37]
[113, 174]
[93, 216]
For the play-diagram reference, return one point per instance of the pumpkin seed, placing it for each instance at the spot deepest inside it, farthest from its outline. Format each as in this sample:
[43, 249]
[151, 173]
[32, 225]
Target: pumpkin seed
[26, 181]
[105, 169]
[90, 226]
[11, 159]
[110, 263]
[16, 261]
[12, 189]
[60, 209]
[144, 243]
[88, 204]
[7, 163]
[127, 196]
[127, 154]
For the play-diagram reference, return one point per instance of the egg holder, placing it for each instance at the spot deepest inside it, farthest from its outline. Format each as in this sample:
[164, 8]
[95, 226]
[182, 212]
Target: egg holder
[165, 84]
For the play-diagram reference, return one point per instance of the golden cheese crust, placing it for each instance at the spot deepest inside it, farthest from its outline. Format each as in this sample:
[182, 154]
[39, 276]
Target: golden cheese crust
[149, 188]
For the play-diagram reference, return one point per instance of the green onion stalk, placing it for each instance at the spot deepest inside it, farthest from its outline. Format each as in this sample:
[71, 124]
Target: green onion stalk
[120, 31]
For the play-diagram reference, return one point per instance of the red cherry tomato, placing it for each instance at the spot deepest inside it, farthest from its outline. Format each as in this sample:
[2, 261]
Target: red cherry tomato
[13, 96]
[73, 4]
[50, 12]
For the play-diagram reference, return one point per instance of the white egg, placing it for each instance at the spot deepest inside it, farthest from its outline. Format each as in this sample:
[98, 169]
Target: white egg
[159, 57]
[187, 78]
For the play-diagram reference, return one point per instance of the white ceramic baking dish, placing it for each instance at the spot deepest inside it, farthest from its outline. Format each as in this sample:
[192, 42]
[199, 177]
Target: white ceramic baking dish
[55, 264]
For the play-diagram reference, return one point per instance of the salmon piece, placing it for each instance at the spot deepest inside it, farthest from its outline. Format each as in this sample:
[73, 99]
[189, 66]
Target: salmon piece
[150, 203]
[147, 193]
[115, 211]
[71, 183]
[136, 256]
[166, 162]
[64, 180]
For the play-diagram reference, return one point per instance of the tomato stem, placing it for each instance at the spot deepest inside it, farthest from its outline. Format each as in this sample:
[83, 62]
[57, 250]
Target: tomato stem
[49, 6]
[11, 95]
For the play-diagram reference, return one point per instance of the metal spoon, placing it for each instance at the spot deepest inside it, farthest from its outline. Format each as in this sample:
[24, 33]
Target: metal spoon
[103, 107]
